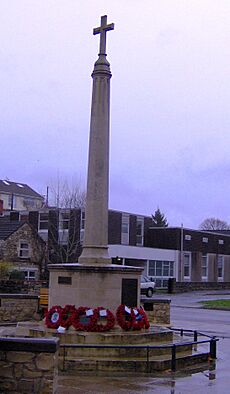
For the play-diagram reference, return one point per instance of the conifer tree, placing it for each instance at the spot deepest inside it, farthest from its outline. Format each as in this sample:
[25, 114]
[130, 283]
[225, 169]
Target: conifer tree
[159, 219]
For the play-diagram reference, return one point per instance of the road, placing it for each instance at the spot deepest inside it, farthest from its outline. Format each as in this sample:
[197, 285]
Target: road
[186, 312]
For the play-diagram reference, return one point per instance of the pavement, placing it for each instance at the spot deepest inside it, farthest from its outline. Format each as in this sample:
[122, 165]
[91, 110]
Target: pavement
[193, 299]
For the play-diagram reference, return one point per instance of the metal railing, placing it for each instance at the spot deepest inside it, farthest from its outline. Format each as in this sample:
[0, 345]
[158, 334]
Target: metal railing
[212, 347]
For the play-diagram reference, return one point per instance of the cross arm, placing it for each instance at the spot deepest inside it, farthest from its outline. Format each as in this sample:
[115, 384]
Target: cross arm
[97, 30]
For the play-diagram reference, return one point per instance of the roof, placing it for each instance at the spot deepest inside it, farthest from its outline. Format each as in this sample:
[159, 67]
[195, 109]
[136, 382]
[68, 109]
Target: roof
[8, 227]
[179, 229]
[17, 188]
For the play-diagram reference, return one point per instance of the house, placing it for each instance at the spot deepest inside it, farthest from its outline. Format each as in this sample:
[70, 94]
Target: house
[163, 253]
[21, 246]
[18, 196]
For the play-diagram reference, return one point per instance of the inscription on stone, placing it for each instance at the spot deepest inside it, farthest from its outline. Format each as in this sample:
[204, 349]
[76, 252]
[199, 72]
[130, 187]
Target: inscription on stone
[65, 280]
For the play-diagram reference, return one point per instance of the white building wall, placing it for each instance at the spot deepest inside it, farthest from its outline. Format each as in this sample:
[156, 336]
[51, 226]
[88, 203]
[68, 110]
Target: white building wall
[142, 253]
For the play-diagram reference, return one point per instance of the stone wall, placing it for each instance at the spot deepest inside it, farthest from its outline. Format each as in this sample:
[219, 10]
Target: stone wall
[180, 287]
[18, 307]
[13, 286]
[28, 365]
[158, 311]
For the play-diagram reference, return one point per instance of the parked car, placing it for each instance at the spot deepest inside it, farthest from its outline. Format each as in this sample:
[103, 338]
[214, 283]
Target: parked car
[147, 286]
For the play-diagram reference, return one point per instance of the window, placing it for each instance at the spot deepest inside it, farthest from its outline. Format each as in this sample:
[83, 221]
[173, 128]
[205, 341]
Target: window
[125, 229]
[186, 265]
[82, 228]
[24, 250]
[82, 220]
[30, 275]
[43, 221]
[161, 271]
[221, 242]
[187, 237]
[64, 221]
[1, 207]
[220, 266]
[204, 266]
[159, 265]
[10, 200]
[28, 202]
[205, 240]
[139, 231]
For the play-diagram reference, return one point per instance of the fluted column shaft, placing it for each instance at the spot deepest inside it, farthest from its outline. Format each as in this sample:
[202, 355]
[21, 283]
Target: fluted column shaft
[95, 246]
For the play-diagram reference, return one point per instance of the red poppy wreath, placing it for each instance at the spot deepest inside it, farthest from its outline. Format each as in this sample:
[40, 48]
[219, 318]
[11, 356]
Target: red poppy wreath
[131, 318]
[124, 317]
[67, 316]
[84, 319]
[53, 317]
[101, 314]
[140, 319]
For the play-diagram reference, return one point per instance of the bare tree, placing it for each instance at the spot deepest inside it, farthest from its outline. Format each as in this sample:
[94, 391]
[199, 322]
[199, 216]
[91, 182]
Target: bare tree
[64, 235]
[214, 224]
[64, 194]
[64, 239]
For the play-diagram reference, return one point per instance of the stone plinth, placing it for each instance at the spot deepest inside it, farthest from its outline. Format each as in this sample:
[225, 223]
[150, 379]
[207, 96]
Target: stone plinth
[157, 310]
[94, 286]
[28, 365]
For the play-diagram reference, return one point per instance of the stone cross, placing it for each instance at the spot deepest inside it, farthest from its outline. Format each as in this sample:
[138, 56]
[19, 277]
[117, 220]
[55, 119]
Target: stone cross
[95, 245]
[102, 31]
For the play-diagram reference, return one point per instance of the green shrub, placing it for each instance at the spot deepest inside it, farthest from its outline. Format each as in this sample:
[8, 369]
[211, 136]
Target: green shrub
[17, 274]
[5, 269]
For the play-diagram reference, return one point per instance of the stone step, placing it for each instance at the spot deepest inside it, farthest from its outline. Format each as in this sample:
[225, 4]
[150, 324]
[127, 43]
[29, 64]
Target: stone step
[129, 352]
[117, 336]
[155, 364]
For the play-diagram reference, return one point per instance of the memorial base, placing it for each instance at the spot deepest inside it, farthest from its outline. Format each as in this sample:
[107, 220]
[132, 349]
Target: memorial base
[93, 286]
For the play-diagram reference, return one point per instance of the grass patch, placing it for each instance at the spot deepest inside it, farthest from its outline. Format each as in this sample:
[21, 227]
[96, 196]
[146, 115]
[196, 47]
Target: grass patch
[217, 304]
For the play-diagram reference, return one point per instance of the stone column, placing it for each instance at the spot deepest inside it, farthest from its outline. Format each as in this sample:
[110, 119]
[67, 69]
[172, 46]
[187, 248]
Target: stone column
[94, 281]
[95, 245]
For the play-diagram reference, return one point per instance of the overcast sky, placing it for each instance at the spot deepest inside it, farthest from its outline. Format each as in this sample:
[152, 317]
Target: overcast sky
[170, 95]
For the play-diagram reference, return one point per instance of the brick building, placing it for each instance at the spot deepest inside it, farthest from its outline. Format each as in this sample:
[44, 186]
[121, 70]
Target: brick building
[203, 256]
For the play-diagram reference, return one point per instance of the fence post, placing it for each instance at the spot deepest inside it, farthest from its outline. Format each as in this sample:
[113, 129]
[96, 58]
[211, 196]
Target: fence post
[195, 336]
[213, 347]
[147, 366]
[64, 358]
[173, 361]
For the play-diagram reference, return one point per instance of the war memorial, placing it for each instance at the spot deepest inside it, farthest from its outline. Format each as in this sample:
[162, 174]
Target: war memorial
[96, 320]
[94, 278]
